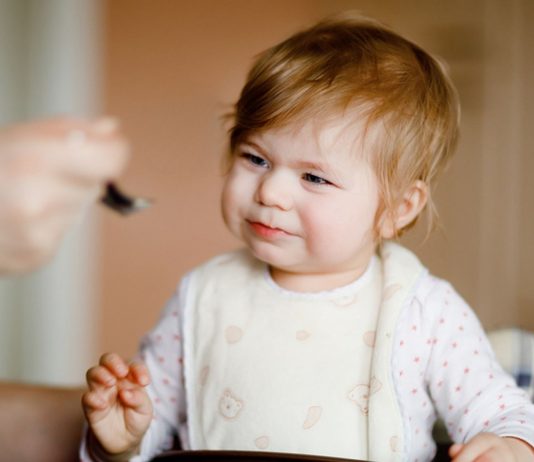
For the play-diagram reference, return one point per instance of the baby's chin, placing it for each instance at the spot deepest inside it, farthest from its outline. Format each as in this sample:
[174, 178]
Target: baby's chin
[268, 254]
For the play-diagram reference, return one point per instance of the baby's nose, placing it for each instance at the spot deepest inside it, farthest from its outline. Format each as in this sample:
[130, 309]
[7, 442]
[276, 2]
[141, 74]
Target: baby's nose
[274, 190]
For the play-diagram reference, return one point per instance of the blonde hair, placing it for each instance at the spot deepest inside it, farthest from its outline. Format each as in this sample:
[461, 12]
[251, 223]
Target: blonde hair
[346, 62]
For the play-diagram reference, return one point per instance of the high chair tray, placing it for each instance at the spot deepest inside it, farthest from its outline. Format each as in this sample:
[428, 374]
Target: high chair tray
[243, 456]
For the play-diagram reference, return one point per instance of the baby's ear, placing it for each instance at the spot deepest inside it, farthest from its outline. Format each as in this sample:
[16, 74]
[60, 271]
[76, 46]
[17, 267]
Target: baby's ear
[406, 210]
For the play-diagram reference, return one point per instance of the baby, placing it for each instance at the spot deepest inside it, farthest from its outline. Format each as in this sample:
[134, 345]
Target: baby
[322, 336]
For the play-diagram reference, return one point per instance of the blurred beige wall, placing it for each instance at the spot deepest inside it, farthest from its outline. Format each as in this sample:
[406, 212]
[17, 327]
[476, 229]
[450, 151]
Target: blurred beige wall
[174, 67]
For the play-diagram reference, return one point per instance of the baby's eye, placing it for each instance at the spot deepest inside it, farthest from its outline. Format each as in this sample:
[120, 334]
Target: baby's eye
[254, 159]
[310, 178]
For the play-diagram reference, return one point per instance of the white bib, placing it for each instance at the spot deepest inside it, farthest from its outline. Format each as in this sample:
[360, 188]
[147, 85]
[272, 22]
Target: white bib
[268, 369]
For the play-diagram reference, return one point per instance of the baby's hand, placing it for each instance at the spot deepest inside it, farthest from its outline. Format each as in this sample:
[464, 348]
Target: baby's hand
[117, 406]
[488, 447]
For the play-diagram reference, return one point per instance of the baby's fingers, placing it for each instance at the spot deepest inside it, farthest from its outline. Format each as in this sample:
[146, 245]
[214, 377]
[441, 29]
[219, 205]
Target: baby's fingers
[137, 400]
[139, 374]
[96, 407]
[137, 410]
[93, 401]
[115, 364]
[485, 447]
[98, 377]
[455, 449]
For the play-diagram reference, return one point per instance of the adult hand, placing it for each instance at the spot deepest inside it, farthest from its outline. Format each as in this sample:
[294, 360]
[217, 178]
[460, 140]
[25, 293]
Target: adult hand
[50, 171]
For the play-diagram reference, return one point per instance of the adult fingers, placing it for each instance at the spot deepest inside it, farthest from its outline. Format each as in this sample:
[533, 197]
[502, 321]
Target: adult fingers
[57, 128]
[35, 200]
[92, 155]
[96, 159]
[34, 217]
[81, 149]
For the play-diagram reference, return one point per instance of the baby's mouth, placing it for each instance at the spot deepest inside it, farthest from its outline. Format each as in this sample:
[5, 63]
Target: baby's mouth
[266, 231]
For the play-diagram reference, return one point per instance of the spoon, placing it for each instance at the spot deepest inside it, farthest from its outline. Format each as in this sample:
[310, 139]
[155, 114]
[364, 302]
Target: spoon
[122, 203]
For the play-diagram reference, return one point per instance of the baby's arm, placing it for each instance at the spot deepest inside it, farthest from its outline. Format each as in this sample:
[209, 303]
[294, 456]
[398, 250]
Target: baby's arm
[117, 407]
[476, 398]
[161, 353]
[492, 448]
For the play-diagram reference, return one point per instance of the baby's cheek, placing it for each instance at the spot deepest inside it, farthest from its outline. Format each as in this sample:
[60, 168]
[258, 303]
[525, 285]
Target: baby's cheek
[225, 206]
[336, 235]
[320, 230]
[229, 205]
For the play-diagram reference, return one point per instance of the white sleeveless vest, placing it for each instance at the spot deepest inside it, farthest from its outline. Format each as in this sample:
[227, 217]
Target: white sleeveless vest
[268, 369]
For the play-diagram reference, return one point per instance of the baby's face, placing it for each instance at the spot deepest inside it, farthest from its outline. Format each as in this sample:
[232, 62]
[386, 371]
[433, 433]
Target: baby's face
[304, 200]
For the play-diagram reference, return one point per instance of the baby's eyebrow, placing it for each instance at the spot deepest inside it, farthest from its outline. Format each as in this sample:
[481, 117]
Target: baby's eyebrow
[250, 144]
[254, 147]
[308, 165]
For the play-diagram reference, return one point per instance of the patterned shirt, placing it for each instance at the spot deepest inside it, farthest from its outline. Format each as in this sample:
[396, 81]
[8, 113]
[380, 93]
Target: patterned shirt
[442, 365]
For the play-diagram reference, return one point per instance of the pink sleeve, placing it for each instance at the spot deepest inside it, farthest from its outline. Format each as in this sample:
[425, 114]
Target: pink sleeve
[470, 390]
